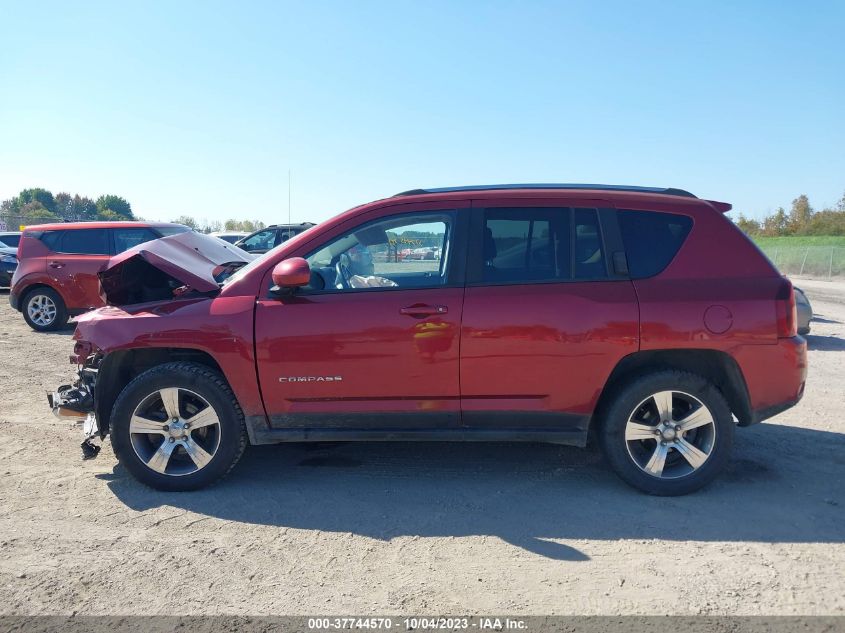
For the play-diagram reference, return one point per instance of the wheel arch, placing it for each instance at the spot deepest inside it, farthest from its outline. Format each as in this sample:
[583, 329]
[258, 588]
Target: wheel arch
[35, 286]
[119, 367]
[718, 367]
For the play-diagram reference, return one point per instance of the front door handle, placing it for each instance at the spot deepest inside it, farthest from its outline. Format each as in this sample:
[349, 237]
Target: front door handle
[56, 265]
[419, 310]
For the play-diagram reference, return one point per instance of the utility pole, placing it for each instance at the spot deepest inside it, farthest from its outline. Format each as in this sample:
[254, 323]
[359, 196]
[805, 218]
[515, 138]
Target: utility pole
[289, 212]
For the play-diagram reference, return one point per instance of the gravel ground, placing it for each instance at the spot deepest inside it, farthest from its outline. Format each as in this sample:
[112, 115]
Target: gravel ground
[421, 528]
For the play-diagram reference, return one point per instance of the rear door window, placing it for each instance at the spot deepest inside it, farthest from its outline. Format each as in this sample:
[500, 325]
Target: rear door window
[85, 242]
[285, 235]
[652, 239]
[588, 250]
[526, 244]
[125, 239]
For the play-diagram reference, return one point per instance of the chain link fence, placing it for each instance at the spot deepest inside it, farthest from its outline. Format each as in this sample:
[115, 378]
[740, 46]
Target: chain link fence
[825, 262]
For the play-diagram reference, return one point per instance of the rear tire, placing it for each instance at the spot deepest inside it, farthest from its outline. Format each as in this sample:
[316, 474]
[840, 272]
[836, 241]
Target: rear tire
[44, 310]
[667, 445]
[178, 427]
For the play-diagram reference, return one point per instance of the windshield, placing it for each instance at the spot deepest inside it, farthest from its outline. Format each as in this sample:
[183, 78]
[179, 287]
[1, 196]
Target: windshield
[240, 272]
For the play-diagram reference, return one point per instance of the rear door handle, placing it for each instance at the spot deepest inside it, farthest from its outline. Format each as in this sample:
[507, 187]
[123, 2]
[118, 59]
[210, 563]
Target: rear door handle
[420, 310]
[56, 265]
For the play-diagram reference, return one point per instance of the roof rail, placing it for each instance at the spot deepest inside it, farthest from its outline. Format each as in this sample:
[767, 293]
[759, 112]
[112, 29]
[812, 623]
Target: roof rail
[270, 226]
[668, 191]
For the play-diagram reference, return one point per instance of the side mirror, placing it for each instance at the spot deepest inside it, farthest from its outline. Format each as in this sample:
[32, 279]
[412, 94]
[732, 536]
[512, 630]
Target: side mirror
[291, 273]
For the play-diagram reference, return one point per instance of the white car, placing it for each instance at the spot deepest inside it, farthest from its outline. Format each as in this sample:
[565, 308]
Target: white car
[229, 236]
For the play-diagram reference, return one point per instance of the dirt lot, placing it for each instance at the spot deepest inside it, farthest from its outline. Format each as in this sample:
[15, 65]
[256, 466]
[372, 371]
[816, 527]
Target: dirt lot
[423, 528]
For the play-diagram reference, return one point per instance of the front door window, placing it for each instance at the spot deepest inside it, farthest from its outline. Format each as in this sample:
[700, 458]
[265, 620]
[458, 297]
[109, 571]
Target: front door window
[400, 252]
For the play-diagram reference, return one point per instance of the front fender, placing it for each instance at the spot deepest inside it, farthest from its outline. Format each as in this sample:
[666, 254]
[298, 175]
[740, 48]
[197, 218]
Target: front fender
[221, 328]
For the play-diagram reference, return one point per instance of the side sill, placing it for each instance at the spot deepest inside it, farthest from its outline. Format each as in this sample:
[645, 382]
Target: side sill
[274, 436]
[256, 427]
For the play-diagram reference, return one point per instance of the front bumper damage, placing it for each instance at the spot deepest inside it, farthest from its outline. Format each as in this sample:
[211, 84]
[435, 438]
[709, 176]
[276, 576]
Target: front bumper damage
[76, 402]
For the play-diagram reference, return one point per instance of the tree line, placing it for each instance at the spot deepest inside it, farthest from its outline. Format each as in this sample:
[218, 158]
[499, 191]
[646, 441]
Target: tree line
[801, 219]
[205, 226]
[37, 206]
[40, 205]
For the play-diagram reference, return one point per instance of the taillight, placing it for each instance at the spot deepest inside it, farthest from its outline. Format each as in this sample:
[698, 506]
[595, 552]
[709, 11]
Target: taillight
[787, 314]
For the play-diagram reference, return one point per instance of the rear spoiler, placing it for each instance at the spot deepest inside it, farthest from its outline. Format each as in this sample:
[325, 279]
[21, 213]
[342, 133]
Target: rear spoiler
[722, 207]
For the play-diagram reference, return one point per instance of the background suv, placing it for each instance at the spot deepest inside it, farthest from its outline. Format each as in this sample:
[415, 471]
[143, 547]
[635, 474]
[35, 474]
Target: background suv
[58, 264]
[10, 239]
[263, 240]
[8, 257]
[638, 317]
[8, 265]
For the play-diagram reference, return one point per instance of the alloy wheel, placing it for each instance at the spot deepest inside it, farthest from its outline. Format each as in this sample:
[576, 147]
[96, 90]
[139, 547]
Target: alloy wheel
[42, 310]
[670, 434]
[175, 431]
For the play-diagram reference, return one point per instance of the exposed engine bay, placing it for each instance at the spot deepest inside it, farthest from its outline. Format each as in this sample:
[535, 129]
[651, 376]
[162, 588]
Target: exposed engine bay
[168, 267]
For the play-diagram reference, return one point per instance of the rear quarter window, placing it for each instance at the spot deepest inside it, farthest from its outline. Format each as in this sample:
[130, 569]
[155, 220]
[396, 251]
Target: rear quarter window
[651, 239]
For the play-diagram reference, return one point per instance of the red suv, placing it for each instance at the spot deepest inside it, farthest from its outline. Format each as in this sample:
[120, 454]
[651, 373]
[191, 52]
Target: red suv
[56, 276]
[641, 318]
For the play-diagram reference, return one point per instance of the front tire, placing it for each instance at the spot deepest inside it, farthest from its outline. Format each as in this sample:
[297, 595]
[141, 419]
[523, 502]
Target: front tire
[44, 310]
[667, 433]
[178, 427]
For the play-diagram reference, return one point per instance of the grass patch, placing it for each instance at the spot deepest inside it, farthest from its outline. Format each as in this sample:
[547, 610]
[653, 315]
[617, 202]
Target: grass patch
[808, 255]
[800, 240]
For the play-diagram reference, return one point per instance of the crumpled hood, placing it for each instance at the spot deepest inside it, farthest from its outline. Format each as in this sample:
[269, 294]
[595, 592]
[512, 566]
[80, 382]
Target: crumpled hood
[190, 258]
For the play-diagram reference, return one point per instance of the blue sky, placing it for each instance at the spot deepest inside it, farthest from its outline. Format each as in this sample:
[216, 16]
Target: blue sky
[201, 108]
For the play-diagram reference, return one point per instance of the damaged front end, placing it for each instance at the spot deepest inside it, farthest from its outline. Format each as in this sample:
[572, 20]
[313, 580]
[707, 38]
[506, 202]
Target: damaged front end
[140, 285]
[76, 401]
[170, 267]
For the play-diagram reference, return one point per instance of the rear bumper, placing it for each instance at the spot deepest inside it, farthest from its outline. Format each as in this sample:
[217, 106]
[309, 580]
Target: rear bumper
[14, 300]
[769, 412]
[776, 376]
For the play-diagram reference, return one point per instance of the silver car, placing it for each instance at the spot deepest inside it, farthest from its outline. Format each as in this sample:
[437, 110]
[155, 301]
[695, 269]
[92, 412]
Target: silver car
[805, 311]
